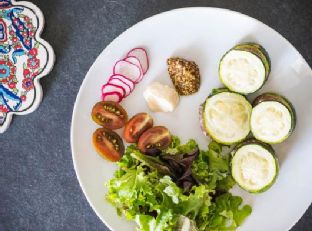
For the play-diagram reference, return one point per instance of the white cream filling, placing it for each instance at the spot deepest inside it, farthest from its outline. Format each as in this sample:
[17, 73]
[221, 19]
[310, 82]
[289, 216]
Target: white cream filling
[227, 117]
[242, 71]
[253, 167]
[270, 122]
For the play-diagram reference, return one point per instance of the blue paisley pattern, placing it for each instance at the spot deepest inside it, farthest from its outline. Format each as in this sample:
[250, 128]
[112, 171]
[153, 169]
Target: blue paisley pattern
[17, 33]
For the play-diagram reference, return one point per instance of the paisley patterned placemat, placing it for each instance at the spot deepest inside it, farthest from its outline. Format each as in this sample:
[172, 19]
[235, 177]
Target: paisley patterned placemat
[24, 59]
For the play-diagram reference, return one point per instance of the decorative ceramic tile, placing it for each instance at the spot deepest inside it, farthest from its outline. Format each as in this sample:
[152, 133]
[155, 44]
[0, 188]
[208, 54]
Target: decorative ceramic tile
[24, 59]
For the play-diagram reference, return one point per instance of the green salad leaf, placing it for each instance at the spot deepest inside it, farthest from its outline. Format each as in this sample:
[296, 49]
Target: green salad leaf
[143, 190]
[176, 147]
[226, 214]
[212, 168]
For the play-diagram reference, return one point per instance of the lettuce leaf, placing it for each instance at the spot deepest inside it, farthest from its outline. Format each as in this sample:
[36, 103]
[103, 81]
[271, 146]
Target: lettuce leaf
[164, 221]
[226, 214]
[154, 203]
[212, 168]
[177, 148]
[142, 190]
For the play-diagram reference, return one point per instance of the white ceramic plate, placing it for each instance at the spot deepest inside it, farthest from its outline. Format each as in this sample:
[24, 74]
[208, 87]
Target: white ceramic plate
[202, 35]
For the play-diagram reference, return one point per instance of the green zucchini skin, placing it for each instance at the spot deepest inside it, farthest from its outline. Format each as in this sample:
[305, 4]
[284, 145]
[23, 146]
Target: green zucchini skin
[270, 149]
[216, 91]
[271, 96]
[258, 51]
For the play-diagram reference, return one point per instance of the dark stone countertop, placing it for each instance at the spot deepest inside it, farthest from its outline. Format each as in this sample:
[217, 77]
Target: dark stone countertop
[38, 186]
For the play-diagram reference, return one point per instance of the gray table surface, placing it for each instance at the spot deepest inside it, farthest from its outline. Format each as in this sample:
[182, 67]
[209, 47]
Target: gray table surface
[38, 185]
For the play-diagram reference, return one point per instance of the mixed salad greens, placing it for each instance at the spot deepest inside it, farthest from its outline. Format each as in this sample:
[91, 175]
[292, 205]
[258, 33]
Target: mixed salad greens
[179, 188]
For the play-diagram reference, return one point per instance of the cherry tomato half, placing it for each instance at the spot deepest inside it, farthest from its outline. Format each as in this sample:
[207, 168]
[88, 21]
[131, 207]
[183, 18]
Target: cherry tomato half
[157, 137]
[108, 144]
[109, 114]
[136, 126]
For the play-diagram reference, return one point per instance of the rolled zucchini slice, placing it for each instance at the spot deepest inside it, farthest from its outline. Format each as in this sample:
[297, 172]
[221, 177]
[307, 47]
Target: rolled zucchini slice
[245, 68]
[254, 166]
[273, 118]
[225, 116]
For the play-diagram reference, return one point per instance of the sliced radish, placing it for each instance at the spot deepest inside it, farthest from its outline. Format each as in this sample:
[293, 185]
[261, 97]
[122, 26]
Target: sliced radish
[141, 55]
[130, 70]
[134, 60]
[126, 73]
[113, 88]
[116, 81]
[112, 96]
[124, 79]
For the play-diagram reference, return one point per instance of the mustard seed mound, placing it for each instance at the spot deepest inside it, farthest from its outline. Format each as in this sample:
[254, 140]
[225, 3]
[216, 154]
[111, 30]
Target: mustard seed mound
[184, 75]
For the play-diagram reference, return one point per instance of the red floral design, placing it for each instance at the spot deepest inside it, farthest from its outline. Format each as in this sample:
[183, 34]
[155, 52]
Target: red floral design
[2, 71]
[33, 63]
[7, 70]
[33, 52]
[17, 47]
[12, 85]
[26, 73]
[3, 109]
[27, 84]
[23, 97]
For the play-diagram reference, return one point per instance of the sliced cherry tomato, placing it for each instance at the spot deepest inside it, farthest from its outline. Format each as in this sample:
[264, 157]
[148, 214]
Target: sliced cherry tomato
[136, 126]
[157, 137]
[108, 144]
[109, 114]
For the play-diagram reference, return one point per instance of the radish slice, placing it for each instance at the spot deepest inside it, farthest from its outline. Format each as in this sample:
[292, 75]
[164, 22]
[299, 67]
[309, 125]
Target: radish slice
[113, 88]
[134, 60]
[124, 79]
[119, 82]
[141, 55]
[130, 70]
[112, 96]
